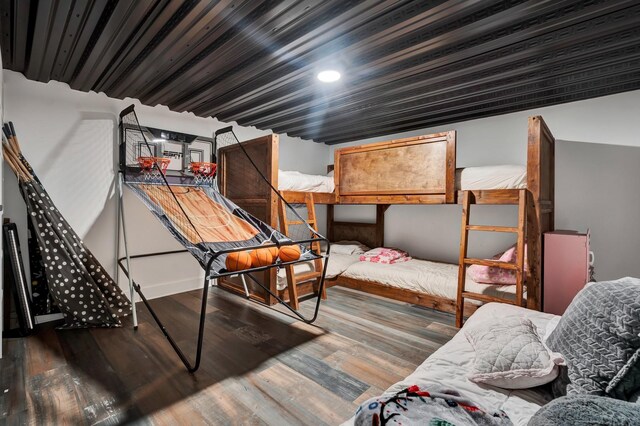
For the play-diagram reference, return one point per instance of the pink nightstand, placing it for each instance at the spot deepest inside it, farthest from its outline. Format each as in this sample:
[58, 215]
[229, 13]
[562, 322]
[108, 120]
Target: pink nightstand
[567, 262]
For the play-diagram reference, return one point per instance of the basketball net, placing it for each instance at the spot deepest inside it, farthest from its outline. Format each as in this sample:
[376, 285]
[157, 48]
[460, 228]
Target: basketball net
[153, 167]
[203, 173]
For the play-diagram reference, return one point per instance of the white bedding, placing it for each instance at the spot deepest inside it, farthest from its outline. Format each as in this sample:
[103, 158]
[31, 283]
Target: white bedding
[296, 181]
[338, 263]
[450, 365]
[433, 278]
[492, 177]
[486, 177]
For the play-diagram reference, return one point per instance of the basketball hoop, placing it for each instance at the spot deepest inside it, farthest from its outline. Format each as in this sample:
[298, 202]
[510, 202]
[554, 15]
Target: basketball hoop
[203, 173]
[150, 172]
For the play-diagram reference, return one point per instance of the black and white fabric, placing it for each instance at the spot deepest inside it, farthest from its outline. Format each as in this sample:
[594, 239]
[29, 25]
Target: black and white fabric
[599, 337]
[84, 292]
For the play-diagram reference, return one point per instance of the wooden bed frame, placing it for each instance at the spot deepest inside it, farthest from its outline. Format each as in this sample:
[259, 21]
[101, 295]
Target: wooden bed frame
[254, 195]
[416, 170]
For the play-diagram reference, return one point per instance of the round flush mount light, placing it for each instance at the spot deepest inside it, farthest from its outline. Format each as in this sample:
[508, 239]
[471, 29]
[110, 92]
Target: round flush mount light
[328, 76]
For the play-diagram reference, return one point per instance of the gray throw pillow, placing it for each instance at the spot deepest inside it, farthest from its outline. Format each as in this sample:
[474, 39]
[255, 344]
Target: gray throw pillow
[510, 354]
[599, 337]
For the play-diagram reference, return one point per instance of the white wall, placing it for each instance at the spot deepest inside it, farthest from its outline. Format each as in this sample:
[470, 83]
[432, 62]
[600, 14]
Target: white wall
[597, 176]
[70, 138]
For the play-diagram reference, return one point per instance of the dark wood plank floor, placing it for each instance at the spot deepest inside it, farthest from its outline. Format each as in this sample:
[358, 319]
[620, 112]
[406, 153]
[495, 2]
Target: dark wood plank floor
[259, 366]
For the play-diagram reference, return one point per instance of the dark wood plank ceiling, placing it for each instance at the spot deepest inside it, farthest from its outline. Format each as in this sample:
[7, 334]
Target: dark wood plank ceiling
[406, 64]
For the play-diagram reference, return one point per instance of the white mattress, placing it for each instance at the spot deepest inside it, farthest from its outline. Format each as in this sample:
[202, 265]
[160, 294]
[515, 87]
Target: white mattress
[492, 177]
[485, 177]
[296, 181]
[338, 263]
[450, 365]
[433, 278]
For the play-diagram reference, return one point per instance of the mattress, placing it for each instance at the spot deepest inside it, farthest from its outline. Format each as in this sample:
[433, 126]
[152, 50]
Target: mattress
[450, 365]
[492, 177]
[338, 263]
[296, 181]
[485, 177]
[432, 278]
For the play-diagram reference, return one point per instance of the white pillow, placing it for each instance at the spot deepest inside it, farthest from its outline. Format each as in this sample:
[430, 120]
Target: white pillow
[511, 355]
[348, 248]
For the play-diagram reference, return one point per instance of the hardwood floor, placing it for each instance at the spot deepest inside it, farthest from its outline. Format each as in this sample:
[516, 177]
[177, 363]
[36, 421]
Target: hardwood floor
[259, 366]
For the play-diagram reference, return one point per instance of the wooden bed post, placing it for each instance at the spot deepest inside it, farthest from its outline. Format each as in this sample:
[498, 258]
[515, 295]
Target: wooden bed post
[380, 210]
[450, 177]
[541, 189]
[330, 220]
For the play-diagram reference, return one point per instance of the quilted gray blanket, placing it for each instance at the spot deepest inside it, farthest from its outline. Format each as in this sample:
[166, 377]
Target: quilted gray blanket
[437, 406]
[587, 410]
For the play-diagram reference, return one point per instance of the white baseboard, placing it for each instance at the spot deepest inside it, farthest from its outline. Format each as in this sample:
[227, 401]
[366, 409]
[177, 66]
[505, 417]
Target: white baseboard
[169, 288]
[41, 319]
[150, 292]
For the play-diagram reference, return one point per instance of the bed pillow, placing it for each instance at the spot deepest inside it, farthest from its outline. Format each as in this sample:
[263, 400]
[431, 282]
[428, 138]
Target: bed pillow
[493, 275]
[510, 354]
[599, 336]
[348, 248]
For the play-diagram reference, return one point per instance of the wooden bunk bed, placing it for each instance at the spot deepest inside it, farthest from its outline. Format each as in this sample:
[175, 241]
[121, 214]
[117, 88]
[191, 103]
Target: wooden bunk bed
[256, 197]
[416, 170]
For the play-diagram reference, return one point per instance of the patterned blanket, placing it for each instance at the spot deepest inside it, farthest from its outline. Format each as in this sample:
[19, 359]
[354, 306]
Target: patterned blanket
[436, 407]
[385, 255]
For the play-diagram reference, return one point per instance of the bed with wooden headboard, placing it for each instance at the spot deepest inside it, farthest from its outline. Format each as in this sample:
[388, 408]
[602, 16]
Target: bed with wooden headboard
[416, 170]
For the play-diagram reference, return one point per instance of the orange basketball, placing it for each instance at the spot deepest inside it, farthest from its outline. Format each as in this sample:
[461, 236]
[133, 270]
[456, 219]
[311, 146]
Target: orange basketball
[237, 261]
[289, 253]
[261, 257]
[273, 250]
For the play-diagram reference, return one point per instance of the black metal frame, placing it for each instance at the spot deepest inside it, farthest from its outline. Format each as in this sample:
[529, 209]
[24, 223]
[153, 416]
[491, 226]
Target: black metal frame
[315, 238]
[205, 291]
[15, 266]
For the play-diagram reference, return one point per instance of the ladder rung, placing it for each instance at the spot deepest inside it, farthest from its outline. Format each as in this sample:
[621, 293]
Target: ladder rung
[301, 222]
[493, 228]
[307, 277]
[485, 298]
[487, 262]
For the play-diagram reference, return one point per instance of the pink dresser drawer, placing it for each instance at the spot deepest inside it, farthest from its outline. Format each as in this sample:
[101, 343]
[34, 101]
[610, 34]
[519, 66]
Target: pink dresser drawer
[566, 268]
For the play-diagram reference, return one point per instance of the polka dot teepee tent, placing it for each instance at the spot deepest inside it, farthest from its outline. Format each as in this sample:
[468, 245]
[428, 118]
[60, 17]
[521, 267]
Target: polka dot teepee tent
[84, 292]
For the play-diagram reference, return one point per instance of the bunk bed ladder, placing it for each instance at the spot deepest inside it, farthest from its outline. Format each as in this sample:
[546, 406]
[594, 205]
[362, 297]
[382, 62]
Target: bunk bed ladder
[465, 261]
[315, 276]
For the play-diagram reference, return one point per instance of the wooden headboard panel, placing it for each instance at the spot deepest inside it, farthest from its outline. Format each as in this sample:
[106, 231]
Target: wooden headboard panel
[240, 181]
[417, 169]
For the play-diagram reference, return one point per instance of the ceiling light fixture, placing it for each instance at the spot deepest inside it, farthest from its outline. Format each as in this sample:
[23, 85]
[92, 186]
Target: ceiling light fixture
[328, 76]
